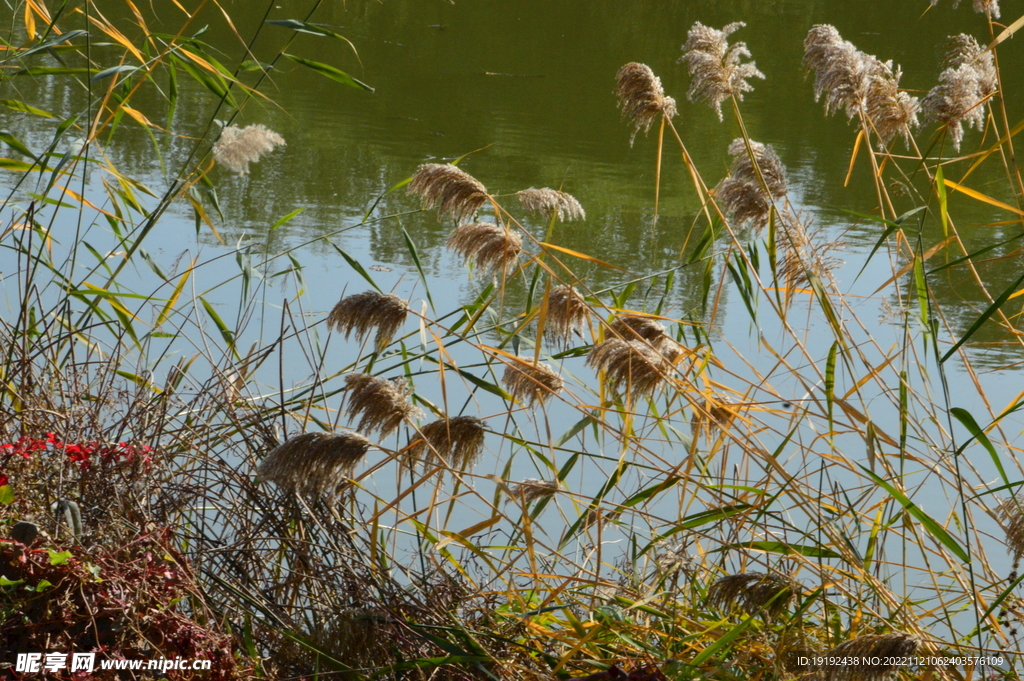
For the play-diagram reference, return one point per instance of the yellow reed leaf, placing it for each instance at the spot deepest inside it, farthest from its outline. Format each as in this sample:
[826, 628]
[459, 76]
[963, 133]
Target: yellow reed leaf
[975, 194]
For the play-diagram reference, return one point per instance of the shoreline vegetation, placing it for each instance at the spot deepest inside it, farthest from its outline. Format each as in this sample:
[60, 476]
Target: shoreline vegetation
[171, 486]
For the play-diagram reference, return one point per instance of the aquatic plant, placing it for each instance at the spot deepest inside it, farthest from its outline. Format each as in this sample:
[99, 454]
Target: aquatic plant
[237, 147]
[717, 69]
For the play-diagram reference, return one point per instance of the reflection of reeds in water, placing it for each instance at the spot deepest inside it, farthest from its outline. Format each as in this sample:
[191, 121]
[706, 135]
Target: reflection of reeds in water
[455, 192]
[492, 247]
[457, 441]
[969, 77]
[551, 202]
[531, 383]
[238, 147]
[883, 647]
[740, 194]
[641, 97]
[717, 69]
[754, 591]
[631, 365]
[383, 404]
[532, 489]
[314, 464]
[362, 312]
[567, 313]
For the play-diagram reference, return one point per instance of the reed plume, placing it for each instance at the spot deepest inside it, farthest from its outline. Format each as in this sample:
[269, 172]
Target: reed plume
[531, 383]
[881, 646]
[805, 252]
[362, 312]
[315, 464]
[532, 489]
[956, 100]
[456, 193]
[1010, 514]
[238, 147]
[717, 70]
[753, 592]
[632, 365]
[567, 312]
[741, 194]
[641, 97]
[551, 202]
[989, 8]
[383, 405]
[457, 441]
[891, 111]
[492, 247]
[717, 409]
[631, 327]
[964, 49]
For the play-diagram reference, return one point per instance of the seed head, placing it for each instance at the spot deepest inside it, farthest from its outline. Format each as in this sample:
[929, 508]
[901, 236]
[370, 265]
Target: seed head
[631, 327]
[804, 252]
[717, 409]
[315, 464]
[531, 383]
[717, 71]
[457, 441]
[490, 246]
[532, 489]
[754, 591]
[455, 192]
[741, 194]
[641, 97]
[1010, 514]
[567, 312]
[964, 49]
[987, 7]
[549, 202]
[956, 100]
[895, 645]
[633, 365]
[383, 404]
[364, 311]
[891, 111]
[238, 147]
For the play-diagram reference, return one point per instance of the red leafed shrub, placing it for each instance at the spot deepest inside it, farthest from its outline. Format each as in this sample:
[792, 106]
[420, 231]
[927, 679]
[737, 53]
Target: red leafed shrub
[137, 602]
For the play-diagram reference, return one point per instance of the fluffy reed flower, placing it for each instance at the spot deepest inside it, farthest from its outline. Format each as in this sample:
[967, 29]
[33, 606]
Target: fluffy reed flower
[881, 646]
[457, 441]
[631, 327]
[490, 246]
[804, 252]
[717, 410]
[633, 365]
[1010, 514]
[754, 591]
[716, 68]
[987, 7]
[314, 464]
[531, 383]
[956, 100]
[567, 312]
[532, 489]
[455, 192]
[891, 111]
[964, 49]
[550, 202]
[383, 405]
[364, 311]
[238, 147]
[641, 97]
[741, 194]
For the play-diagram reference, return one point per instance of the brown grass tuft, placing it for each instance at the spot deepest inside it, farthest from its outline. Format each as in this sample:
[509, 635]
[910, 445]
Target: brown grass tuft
[315, 464]
[532, 489]
[364, 311]
[716, 68]
[805, 252]
[238, 147]
[631, 327]
[491, 247]
[717, 410]
[531, 383]
[1010, 514]
[455, 192]
[383, 404]
[894, 645]
[753, 592]
[641, 97]
[741, 195]
[631, 365]
[567, 312]
[550, 202]
[457, 441]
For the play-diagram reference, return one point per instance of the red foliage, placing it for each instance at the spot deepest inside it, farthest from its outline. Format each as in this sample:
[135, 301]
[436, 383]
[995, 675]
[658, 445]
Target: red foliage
[85, 454]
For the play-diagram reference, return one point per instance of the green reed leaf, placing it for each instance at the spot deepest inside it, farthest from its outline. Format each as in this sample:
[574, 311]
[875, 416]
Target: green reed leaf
[331, 72]
[984, 317]
[964, 417]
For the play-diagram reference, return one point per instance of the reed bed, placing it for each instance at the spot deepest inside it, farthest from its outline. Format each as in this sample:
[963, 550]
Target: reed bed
[579, 482]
